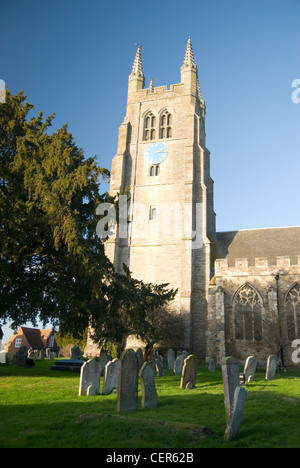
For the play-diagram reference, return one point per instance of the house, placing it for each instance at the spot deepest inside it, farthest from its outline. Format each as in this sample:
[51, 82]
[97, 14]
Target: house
[32, 338]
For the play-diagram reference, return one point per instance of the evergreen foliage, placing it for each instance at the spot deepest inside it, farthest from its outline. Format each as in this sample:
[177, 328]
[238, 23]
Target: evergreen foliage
[52, 264]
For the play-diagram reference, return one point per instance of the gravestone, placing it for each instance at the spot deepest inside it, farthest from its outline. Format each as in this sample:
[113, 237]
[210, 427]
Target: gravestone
[42, 354]
[149, 393]
[171, 359]
[160, 366]
[271, 367]
[237, 410]
[189, 372]
[178, 365]
[91, 391]
[75, 353]
[185, 354]
[19, 359]
[128, 382]
[250, 368]
[104, 359]
[231, 380]
[211, 365]
[111, 374]
[90, 374]
[140, 357]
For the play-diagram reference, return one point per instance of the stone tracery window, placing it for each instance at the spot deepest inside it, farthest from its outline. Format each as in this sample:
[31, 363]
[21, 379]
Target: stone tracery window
[247, 308]
[149, 126]
[292, 308]
[165, 125]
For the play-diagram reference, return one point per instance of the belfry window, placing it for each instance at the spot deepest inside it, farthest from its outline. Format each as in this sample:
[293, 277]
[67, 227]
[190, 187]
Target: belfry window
[247, 308]
[292, 308]
[165, 126]
[149, 127]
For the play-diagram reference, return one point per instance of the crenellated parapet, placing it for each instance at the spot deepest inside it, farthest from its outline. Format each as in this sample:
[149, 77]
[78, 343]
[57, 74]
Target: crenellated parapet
[261, 266]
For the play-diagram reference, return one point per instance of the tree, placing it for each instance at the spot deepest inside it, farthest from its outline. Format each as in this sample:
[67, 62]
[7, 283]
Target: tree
[52, 263]
[130, 306]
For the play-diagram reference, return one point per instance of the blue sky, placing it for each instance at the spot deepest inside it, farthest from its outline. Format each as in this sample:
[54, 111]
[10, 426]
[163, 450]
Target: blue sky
[73, 57]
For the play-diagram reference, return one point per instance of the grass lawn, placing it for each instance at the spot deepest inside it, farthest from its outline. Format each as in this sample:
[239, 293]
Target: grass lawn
[41, 408]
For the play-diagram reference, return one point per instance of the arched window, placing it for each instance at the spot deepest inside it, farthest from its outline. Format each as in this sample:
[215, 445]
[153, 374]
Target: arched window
[165, 126]
[247, 306]
[149, 126]
[292, 309]
[153, 213]
[154, 170]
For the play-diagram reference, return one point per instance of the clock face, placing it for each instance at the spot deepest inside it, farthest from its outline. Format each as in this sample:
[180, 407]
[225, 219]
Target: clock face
[156, 153]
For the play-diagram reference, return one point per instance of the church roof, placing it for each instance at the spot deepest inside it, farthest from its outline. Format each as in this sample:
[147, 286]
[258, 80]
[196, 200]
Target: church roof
[266, 243]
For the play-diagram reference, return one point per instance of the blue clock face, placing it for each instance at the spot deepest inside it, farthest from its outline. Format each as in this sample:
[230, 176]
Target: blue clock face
[156, 153]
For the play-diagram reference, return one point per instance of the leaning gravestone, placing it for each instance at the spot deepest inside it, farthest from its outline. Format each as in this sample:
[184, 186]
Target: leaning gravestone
[271, 367]
[250, 368]
[128, 382]
[178, 365]
[189, 372]
[75, 353]
[90, 374]
[20, 357]
[111, 374]
[237, 410]
[171, 359]
[149, 393]
[231, 380]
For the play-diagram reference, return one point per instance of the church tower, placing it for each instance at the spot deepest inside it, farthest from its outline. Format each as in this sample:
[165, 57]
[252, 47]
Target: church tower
[162, 163]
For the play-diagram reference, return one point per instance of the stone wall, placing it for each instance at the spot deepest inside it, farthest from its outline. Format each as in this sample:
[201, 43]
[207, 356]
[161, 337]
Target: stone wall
[269, 285]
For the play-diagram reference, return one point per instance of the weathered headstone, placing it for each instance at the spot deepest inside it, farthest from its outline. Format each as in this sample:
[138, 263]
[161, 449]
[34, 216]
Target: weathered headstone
[171, 359]
[90, 374]
[155, 355]
[140, 357]
[149, 393]
[128, 382]
[236, 416]
[91, 391]
[185, 354]
[111, 375]
[271, 367]
[104, 359]
[19, 359]
[250, 368]
[178, 365]
[75, 353]
[189, 372]
[160, 366]
[211, 365]
[231, 380]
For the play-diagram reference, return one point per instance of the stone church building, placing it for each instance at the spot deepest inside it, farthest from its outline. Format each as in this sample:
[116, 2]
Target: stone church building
[239, 291]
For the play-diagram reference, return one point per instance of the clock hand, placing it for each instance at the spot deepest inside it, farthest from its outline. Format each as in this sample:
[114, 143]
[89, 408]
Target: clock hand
[160, 151]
